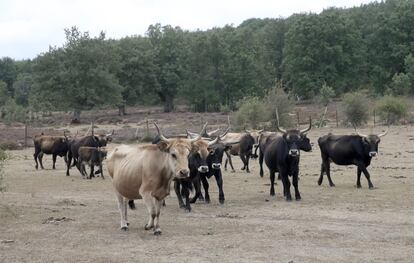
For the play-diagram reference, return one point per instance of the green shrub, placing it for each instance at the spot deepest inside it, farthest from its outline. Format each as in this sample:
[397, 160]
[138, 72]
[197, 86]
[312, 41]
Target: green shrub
[326, 94]
[355, 108]
[225, 108]
[392, 109]
[400, 84]
[250, 112]
[278, 98]
[12, 112]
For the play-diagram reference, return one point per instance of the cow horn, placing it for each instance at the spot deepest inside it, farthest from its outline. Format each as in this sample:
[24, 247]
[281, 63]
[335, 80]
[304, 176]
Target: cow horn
[384, 133]
[212, 132]
[360, 134]
[214, 141]
[160, 134]
[309, 128]
[112, 133]
[200, 134]
[277, 124]
[224, 134]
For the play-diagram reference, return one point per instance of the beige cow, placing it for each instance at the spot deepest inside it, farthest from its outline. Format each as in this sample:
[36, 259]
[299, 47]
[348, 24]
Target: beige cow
[146, 171]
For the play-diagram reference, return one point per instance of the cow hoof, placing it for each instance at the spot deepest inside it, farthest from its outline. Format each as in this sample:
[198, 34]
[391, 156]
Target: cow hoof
[233, 171]
[146, 227]
[221, 201]
[358, 186]
[182, 206]
[298, 198]
[332, 185]
[243, 168]
[36, 167]
[124, 228]
[261, 174]
[157, 232]
[187, 209]
[289, 199]
[127, 224]
[371, 187]
[319, 182]
[207, 201]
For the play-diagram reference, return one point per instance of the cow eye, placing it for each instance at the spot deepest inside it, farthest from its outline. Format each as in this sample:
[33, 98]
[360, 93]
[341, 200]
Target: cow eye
[174, 155]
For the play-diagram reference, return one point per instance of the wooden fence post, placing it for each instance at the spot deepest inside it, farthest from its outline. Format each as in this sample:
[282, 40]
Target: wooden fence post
[25, 134]
[336, 117]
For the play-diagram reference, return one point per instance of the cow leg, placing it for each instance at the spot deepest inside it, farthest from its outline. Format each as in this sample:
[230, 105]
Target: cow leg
[261, 155]
[320, 180]
[230, 162]
[69, 162]
[186, 193]
[157, 229]
[205, 186]
[327, 165]
[178, 194]
[247, 163]
[243, 158]
[272, 182]
[40, 157]
[295, 179]
[197, 188]
[148, 201]
[101, 170]
[286, 183]
[122, 206]
[219, 180]
[54, 161]
[35, 155]
[358, 184]
[366, 173]
[92, 171]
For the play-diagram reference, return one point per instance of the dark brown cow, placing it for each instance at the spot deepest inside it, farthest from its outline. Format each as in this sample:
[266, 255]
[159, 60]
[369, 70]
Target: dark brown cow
[91, 156]
[46, 144]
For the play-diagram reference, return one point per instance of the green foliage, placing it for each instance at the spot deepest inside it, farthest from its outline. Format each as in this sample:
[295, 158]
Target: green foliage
[8, 72]
[401, 84]
[277, 98]
[4, 93]
[326, 94]
[392, 109]
[11, 112]
[355, 106]
[250, 113]
[22, 87]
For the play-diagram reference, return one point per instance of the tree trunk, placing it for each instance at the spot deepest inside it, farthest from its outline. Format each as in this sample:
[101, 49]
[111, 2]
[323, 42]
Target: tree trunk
[76, 116]
[168, 104]
[121, 110]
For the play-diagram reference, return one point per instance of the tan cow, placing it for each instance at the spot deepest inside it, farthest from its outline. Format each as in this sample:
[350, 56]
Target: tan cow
[146, 171]
[46, 144]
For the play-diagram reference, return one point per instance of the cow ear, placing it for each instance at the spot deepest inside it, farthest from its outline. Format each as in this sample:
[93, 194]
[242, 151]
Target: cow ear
[163, 146]
[194, 147]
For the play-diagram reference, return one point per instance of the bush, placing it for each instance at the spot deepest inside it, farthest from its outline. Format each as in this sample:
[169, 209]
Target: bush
[326, 94]
[11, 112]
[355, 108]
[278, 98]
[250, 112]
[400, 84]
[225, 108]
[392, 109]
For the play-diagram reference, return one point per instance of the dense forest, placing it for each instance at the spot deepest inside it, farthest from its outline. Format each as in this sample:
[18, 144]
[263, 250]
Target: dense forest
[368, 47]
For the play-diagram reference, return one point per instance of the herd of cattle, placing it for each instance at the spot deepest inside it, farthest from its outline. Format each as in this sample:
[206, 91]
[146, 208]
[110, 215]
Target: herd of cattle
[146, 171]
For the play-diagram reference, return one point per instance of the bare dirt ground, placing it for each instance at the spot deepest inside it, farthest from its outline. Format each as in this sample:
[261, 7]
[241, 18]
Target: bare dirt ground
[48, 217]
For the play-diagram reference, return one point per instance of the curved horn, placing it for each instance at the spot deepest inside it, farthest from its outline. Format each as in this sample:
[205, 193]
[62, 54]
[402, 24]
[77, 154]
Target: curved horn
[224, 134]
[360, 134]
[309, 128]
[214, 141]
[212, 132]
[384, 133]
[277, 124]
[162, 138]
[200, 134]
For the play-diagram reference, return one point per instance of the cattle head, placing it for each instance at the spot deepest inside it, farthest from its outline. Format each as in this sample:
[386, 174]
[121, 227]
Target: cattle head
[179, 150]
[104, 139]
[216, 149]
[198, 159]
[295, 139]
[102, 153]
[371, 142]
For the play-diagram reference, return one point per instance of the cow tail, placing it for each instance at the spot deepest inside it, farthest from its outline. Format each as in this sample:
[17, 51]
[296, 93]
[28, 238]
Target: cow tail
[131, 204]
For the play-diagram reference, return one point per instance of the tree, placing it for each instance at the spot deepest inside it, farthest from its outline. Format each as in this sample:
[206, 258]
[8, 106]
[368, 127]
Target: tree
[8, 73]
[4, 93]
[79, 76]
[167, 44]
[22, 87]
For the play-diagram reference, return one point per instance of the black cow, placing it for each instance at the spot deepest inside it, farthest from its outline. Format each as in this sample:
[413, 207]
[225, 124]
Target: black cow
[282, 155]
[91, 156]
[347, 150]
[54, 145]
[89, 141]
[216, 150]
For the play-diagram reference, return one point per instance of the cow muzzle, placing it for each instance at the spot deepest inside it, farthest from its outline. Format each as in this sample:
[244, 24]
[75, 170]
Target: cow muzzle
[294, 152]
[183, 173]
[216, 166]
[372, 154]
[203, 169]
